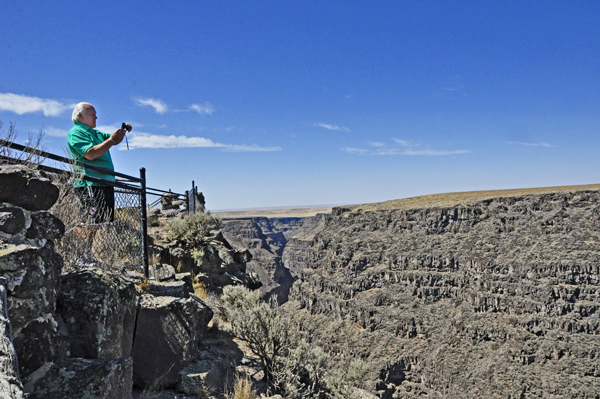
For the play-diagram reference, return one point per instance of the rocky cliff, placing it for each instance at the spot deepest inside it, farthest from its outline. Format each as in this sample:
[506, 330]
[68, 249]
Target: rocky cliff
[494, 295]
[278, 247]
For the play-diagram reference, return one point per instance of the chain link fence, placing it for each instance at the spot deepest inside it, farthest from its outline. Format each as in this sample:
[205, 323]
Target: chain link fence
[104, 240]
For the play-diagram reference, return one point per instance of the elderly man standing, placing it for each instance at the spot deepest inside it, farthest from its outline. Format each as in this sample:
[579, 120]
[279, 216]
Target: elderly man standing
[88, 145]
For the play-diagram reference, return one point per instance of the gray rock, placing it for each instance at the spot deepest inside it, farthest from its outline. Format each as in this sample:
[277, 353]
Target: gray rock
[161, 272]
[216, 374]
[26, 188]
[45, 225]
[84, 378]
[36, 344]
[15, 257]
[12, 219]
[31, 303]
[168, 331]
[177, 288]
[10, 383]
[187, 279]
[99, 310]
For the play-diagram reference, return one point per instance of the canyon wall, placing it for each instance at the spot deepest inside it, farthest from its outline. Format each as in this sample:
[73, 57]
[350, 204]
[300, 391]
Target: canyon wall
[492, 298]
[278, 247]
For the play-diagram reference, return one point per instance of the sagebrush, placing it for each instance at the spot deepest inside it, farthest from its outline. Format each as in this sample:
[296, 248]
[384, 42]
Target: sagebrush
[192, 229]
[292, 367]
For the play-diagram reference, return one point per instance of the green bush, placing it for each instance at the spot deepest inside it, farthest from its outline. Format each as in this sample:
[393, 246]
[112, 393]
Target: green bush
[292, 366]
[193, 228]
[262, 326]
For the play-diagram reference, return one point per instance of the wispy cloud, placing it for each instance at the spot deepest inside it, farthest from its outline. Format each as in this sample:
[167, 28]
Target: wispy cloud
[159, 106]
[435, 153]
[405, 143]
[20, 105]
[351, 150]
[56, 132]
[530, 144]
[400, 149]
[332, 127]
[203, 109]
[146, 140]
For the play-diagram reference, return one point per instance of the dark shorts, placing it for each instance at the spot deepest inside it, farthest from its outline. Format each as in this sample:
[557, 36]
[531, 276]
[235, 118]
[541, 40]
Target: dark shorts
[98, 202]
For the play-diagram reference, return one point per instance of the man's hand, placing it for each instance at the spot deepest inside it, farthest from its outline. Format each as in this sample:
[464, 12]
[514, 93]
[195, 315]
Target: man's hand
[118, 135]
[101, 149]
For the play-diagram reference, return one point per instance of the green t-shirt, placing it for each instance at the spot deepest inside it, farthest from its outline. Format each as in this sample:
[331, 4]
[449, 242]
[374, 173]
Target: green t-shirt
[80, 139]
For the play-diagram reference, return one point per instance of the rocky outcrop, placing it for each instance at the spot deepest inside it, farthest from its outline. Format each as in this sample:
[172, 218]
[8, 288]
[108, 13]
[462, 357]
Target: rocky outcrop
[213, 262]
[278, 247]
[97, 313]
[77, 335]
[10, 383]
[84, 378]
[26, 188]
[169, 331]
[496, 298]
[29, 265]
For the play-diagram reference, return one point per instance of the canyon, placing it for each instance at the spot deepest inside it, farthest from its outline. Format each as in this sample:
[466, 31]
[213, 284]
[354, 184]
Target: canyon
[484, 294]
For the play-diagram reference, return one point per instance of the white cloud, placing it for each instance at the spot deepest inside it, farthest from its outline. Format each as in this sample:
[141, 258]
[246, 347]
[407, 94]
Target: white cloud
[332, 127]
[405, 143]
[435, 152]
[351, 150]
[382, 149]
[53, 131]
[530, 144]
[20, 105]
[146, 140]
[159, 106]
[203, 109]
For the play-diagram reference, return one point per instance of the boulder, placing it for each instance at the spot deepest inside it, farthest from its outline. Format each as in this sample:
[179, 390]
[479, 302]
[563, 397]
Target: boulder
[10, 384]
[36, 344]
[167, 333]
[12, 219]
[175, 288]
[45, 225]
[26, 188]
[83, 378]
[161, 272]
[98, 309]
[31, 284]
[214, 374]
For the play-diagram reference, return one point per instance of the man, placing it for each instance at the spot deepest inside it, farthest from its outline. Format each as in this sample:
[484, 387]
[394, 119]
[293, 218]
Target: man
[91, 146]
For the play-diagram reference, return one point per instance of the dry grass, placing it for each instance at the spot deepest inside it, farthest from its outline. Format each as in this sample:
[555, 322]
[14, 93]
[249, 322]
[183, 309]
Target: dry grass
[200, 290]
[144, 285]
[242, 389]
[463, 198]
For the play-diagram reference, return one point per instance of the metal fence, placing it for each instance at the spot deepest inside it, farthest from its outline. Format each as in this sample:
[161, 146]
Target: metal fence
[119, 243]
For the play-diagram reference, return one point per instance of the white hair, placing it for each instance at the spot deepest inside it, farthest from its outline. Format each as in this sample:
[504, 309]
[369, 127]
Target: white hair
[79, 109]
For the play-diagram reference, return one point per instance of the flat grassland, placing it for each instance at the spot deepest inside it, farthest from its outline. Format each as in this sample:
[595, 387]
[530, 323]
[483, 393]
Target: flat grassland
[423, 201]
[466, 197]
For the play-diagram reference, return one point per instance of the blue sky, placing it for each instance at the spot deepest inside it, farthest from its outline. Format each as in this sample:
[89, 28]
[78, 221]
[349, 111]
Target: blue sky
[289, 103]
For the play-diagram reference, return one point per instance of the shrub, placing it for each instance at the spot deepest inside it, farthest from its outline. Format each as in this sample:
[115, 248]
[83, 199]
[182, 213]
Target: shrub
[193, 228]
[303, 374]
[262, 326]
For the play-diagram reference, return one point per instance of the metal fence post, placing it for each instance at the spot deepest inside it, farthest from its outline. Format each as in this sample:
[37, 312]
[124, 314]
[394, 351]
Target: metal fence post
[144, 222]
[193, 198]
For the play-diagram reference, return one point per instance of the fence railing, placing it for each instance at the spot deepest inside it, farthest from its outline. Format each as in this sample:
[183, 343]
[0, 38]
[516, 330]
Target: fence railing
[125, 239]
